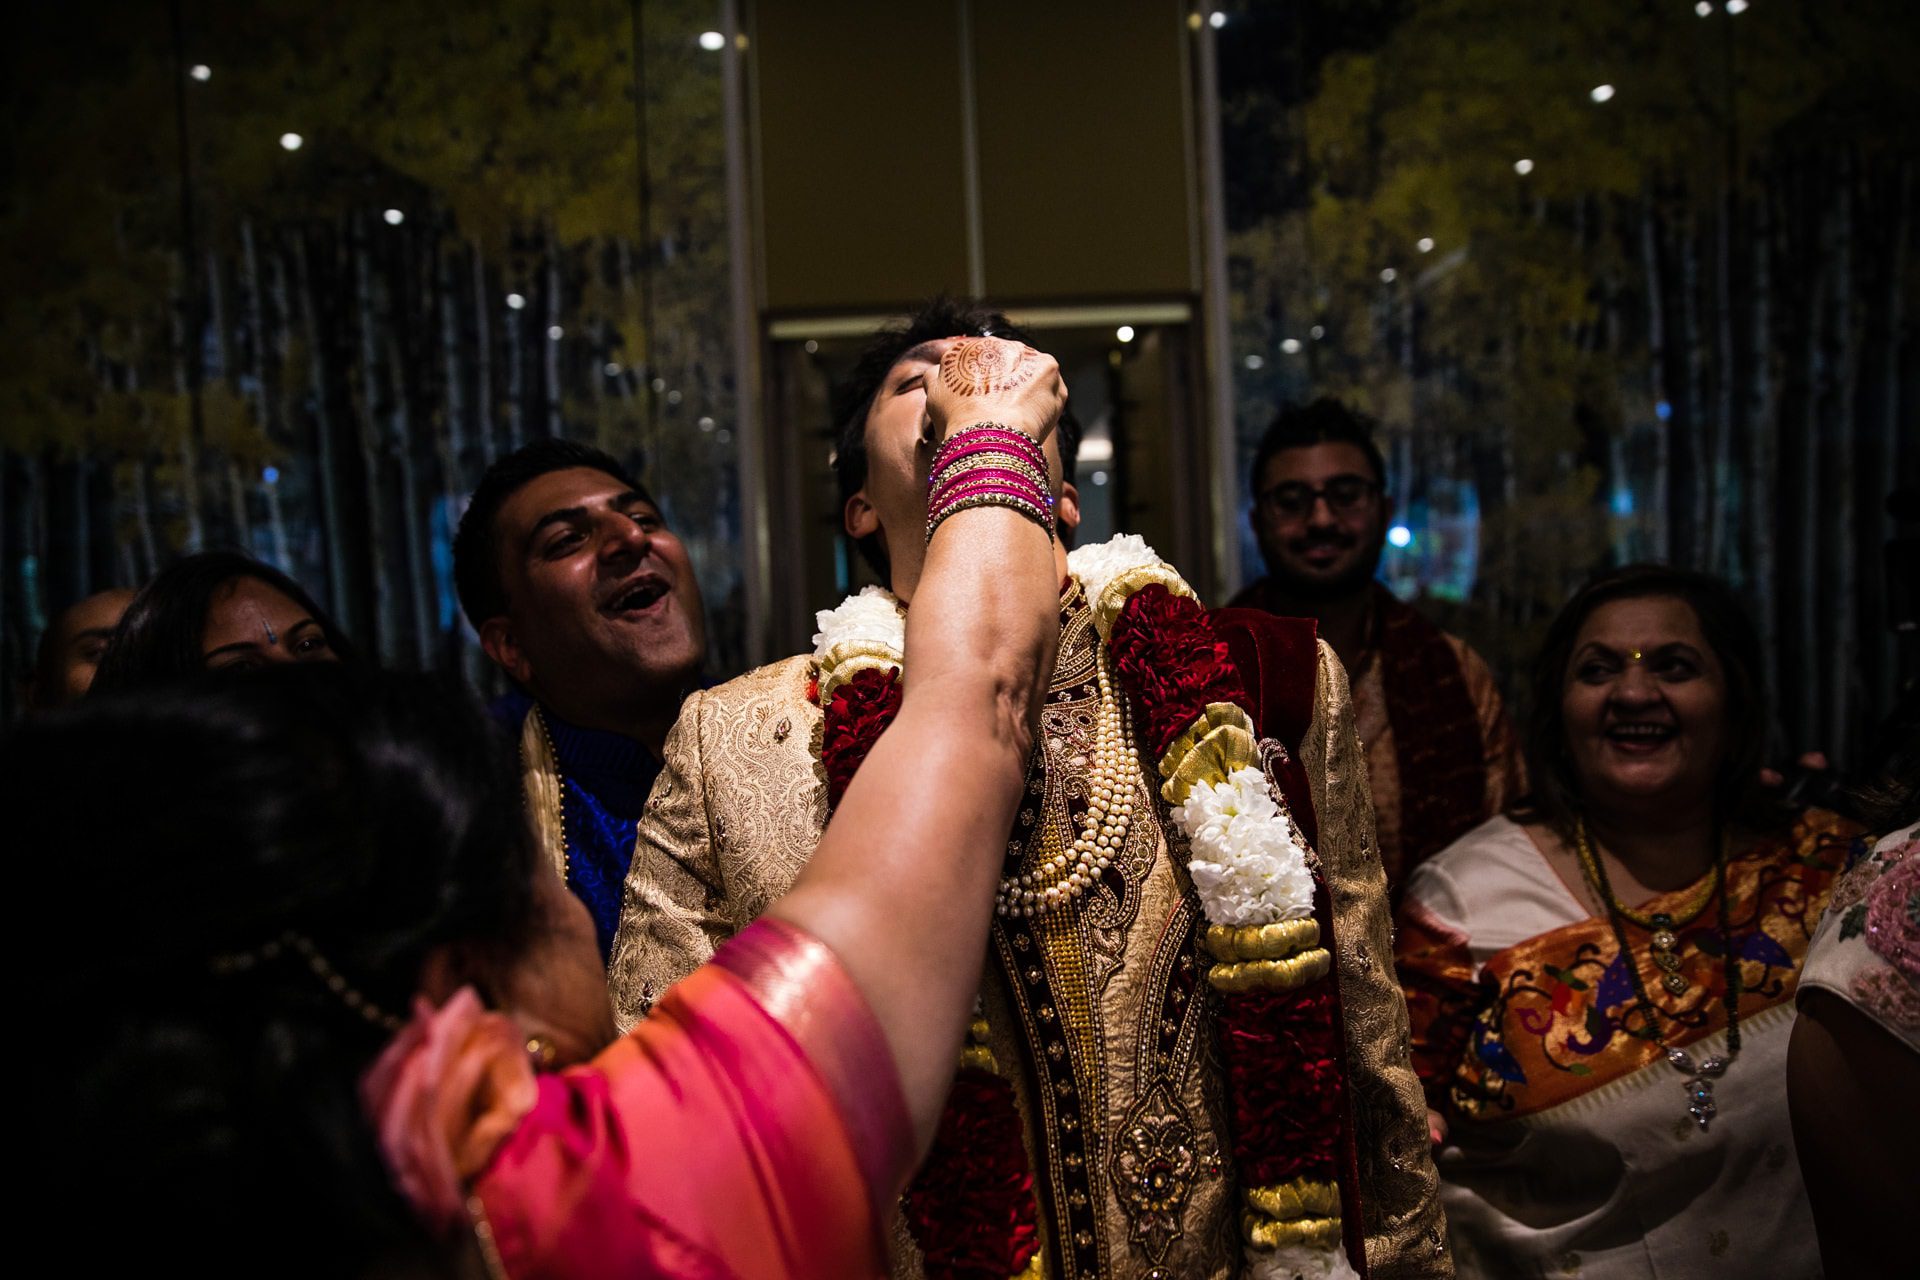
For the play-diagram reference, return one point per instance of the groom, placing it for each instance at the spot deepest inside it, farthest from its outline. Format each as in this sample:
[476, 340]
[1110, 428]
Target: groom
[1096, 1041]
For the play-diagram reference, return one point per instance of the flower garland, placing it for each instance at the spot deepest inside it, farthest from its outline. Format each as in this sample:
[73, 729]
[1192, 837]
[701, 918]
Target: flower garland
[1256, 879]
[970, 1205]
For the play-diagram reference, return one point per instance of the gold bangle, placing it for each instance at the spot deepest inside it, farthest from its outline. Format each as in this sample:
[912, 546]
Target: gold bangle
[983, 461]
[1039, 516]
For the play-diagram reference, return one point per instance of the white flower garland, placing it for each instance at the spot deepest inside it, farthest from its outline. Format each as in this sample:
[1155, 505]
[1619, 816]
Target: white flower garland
[1246, 861]
[867, 630]
[1095, 567]
[1300, 1262]
[872, 616]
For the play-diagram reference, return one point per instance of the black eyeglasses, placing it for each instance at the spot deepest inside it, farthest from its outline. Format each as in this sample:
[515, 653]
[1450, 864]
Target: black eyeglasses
[1343, 494]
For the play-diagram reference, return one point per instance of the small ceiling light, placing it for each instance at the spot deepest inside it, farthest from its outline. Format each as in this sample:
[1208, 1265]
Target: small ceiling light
[712, 41]
[1099, 479]
[1704, 9]
[1400, 535]
[1124, 333]
[723, 436]
[291, 141]
[201, 72]
[1424, 244]
[673, 396]
[659, 384]
[1318, 332]
[1523, 167]
[1255, 362]
[1389, 276]
[555, 332]
[1290, 345]
[1600, 92]
[1736, 6]
[612, 368]
[706, 424]
[1216, 19]
[394, 217]
[515, 301]
[812, 347]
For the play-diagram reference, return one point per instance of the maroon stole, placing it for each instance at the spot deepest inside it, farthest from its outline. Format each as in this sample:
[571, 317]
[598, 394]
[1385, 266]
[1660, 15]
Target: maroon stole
[1436, 726]
[1279, 663]
[1436, 732]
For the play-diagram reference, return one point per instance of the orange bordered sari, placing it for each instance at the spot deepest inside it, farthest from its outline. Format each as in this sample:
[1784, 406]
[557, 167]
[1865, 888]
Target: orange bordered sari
[1571, 1150]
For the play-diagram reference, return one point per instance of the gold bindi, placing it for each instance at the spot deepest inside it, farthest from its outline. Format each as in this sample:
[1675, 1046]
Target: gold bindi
[1635, 655]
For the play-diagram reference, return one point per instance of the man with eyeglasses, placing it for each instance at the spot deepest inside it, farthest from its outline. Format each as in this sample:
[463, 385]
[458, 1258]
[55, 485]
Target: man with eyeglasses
[1441, 752]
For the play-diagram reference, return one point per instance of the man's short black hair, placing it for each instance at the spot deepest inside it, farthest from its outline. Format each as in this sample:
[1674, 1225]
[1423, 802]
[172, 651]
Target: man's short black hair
[476, 547]
[942, 317]
[1325, 421]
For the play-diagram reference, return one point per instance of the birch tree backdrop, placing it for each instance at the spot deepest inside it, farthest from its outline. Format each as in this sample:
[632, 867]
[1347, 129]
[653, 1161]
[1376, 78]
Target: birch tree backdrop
[1623, 278]
[286, 277]
[1623, 281]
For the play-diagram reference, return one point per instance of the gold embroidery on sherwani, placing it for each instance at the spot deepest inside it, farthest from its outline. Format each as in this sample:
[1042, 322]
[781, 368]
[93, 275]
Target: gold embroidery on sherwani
[1399, 1187]
[1048, 963]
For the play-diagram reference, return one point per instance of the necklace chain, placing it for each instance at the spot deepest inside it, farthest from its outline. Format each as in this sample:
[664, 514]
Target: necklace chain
[1701, 1075]
[560, 785]
[1070, 872]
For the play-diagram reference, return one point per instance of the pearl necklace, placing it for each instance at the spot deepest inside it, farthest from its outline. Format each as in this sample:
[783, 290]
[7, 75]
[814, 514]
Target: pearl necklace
[1103, 833]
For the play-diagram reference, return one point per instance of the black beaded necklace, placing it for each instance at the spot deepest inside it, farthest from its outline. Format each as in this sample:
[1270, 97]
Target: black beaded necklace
[1700, 1076]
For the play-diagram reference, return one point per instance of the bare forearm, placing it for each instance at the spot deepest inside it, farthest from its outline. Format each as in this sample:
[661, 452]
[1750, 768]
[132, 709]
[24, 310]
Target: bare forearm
[902, 885]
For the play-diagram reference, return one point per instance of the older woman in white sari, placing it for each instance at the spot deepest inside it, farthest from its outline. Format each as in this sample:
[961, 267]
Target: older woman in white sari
[1601, 985]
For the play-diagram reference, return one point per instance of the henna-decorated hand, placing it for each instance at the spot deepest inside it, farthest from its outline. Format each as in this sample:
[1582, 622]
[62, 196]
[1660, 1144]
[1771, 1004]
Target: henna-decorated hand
[994, 380]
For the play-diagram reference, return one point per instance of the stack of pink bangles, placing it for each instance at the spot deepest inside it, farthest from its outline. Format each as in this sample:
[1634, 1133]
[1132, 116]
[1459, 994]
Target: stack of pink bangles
[988, 465]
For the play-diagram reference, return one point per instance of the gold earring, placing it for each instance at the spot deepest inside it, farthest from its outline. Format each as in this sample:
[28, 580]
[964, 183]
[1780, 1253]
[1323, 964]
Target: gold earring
[541, 1050]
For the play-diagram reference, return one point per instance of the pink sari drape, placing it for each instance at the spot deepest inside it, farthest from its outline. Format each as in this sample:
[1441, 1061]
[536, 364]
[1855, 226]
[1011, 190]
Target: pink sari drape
[752, 1126]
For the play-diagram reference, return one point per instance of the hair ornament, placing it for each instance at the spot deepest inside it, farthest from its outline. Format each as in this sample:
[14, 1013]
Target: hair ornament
[317, 964]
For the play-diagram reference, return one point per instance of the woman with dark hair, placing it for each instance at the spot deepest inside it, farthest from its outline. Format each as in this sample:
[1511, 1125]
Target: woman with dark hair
[216, 609]
[350, 1022]
[1601, 982]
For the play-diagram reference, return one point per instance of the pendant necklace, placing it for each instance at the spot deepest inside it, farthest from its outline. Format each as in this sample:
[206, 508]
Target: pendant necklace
[1666, 957]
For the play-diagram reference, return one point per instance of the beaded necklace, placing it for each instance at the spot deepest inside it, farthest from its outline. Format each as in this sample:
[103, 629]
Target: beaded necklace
[1103, 831]
[1701, 1075]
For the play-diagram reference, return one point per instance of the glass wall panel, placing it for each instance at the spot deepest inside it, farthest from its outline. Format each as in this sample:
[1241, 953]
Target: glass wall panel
[1621, 282]
[287, 277]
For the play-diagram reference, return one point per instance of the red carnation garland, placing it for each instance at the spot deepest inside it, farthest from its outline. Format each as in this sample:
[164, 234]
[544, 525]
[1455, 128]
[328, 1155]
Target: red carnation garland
[970, 1205]
[860, 712]
[1284, 1085]
[1168, 658]
[1285, 1091]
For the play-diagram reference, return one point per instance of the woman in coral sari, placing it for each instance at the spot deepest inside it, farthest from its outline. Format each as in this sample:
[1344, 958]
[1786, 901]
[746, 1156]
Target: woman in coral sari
[343, 1020]
[1601, 986]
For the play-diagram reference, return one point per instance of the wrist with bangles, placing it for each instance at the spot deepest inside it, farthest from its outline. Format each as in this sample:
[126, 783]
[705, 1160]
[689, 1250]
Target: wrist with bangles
[989, 464]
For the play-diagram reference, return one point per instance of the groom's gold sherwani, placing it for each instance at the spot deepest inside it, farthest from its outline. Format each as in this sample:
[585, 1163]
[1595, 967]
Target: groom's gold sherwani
[1099, 1011]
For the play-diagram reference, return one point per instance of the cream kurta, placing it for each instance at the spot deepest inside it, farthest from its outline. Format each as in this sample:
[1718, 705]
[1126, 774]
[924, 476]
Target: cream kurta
[1097, 1008]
